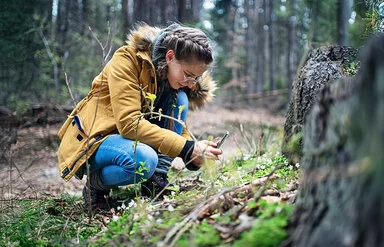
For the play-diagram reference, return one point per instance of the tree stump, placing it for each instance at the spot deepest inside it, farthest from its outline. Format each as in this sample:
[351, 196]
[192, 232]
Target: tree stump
[340, 201]
[321, 67]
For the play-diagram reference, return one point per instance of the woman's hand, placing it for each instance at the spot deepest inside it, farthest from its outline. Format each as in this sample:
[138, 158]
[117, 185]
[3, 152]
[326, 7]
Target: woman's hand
[205, 149]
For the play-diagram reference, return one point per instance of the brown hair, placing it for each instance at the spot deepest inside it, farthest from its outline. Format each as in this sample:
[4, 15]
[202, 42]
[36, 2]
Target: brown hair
[189, 44]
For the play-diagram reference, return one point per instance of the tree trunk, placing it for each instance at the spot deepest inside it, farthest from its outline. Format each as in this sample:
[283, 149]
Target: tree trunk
[125, 15]
[182, 11]
[234, 51]
[322, 66]
[271, 48]
[340, 200]
[64, 24]
[196, 6]
[315, 9]
[292, 44]
[344, 9]
[250, 47]
[260, 67]
[85, 16]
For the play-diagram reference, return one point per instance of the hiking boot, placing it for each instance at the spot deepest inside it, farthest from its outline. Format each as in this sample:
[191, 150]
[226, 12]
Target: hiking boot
[100, 200]
[156, 184]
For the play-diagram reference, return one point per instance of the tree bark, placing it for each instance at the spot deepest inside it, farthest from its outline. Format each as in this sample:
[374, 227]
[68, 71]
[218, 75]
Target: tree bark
[321, 67]
[125, 15]
[182, 11]
[344, 9]
[196, 9]
[250, 47]
[271, 48]
[260, 65]
[292, 44]
[340, 200]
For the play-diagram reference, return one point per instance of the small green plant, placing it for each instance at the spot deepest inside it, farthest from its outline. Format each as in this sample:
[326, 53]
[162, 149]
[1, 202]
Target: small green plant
[351, 68]
[269, 228]
[141, 169]
[203, 234]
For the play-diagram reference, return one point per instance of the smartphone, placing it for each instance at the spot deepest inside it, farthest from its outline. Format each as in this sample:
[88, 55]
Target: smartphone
[223, 139]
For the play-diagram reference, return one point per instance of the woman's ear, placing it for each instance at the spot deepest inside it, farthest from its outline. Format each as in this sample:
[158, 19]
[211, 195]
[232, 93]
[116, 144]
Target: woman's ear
[169, 56]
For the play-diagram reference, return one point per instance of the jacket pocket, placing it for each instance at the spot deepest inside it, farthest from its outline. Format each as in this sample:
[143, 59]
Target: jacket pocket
[73, 144]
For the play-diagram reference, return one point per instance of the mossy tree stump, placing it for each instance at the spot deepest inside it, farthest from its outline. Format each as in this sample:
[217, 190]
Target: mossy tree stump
[321, 67]
[340, 200]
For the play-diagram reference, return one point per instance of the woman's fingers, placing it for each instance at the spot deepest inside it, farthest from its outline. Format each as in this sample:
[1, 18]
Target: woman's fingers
[205, 149]
[212, 152]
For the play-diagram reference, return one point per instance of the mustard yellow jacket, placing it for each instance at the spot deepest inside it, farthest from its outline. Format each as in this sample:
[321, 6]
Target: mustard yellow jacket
[116, 103]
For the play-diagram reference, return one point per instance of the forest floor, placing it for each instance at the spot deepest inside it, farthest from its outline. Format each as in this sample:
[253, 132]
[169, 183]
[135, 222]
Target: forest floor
[32, 171]
[245, 199]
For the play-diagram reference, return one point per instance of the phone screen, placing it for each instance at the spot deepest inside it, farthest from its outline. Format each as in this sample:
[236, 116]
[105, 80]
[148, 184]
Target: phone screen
[223, 139]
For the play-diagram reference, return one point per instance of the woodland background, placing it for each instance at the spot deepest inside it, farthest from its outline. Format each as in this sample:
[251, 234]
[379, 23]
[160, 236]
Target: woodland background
[268, 53]
[258, 43]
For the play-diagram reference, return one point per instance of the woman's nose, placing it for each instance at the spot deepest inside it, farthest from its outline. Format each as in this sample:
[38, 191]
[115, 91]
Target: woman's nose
[188, 83]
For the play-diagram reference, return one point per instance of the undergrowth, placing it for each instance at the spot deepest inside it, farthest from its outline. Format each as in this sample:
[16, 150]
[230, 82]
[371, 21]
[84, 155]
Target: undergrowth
[245, 220]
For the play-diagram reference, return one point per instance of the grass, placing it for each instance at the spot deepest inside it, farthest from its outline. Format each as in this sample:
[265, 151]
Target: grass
[240, 221]
[46, 222]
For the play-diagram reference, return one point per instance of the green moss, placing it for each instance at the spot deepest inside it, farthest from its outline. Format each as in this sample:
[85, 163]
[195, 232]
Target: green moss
[202, 234]
[269, 228]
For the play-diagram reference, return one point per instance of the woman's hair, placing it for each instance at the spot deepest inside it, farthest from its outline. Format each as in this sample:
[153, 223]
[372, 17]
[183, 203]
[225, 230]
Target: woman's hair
[189, 45]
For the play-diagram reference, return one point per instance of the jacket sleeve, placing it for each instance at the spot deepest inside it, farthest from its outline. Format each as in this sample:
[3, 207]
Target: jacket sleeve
[186, 134]
[126, 92]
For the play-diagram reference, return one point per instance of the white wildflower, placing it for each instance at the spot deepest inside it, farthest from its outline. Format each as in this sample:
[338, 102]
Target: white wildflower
[297, 165]
[171, 208]
[131, 204]
[159, 221]
[106, 220]
[278, 210]
[290, 167]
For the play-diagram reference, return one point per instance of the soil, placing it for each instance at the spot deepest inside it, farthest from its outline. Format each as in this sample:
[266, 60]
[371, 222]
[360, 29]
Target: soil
[30, 170]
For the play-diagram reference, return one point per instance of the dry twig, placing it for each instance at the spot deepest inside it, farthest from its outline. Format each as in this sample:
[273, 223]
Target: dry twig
[210, 205]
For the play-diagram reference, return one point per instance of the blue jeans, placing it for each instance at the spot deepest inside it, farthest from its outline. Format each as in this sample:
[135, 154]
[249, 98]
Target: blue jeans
[117, 161]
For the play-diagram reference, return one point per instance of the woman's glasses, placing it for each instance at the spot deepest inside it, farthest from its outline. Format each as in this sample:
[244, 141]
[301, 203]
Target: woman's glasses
[190, 79]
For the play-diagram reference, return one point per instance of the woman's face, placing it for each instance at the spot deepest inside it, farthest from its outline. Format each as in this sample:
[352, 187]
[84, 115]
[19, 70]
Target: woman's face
[182, 74]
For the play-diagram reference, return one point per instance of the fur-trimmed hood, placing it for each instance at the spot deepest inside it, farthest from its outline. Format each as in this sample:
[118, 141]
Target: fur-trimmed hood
[143, 37]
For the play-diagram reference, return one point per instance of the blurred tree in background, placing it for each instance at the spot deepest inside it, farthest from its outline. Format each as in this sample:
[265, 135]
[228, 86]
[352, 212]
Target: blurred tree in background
[258, 43]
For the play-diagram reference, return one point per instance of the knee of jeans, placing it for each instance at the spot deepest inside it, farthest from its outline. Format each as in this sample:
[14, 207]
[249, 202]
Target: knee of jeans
[147, 157]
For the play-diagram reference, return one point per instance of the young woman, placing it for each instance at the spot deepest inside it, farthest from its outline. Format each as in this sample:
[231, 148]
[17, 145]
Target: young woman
[112, 127]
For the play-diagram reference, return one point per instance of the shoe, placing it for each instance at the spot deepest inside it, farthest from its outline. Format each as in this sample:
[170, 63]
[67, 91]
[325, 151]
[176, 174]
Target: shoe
[100, 200]
[155, 185]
